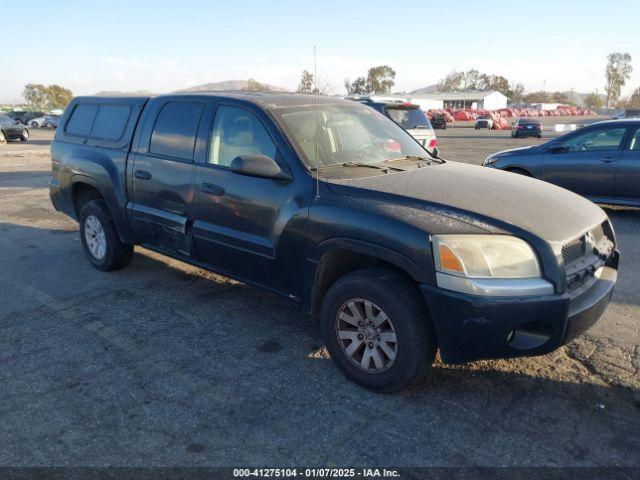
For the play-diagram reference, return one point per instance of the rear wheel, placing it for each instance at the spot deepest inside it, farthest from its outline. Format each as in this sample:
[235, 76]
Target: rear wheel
[100, 240]
[377, 330]
[34, 124]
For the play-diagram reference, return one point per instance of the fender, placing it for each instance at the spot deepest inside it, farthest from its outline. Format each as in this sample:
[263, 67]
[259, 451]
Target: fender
[117, 215]
[420, 274]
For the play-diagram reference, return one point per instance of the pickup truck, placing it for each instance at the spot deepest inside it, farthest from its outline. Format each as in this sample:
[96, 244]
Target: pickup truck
[331, 204]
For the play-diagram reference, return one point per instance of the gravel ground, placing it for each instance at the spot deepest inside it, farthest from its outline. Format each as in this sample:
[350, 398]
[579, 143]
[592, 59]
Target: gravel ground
[163, 364]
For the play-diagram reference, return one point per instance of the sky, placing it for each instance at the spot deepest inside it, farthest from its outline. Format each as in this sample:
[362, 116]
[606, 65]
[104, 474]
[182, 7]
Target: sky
[91, 46]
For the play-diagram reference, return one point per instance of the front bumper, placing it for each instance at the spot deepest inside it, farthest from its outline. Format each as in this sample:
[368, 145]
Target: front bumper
[472, 327]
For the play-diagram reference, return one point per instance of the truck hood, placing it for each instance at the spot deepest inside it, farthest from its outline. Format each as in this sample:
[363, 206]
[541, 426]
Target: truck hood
[549, 212]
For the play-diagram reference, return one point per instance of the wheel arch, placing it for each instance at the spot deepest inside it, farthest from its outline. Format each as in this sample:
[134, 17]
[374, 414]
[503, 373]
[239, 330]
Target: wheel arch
[85, 188]
[336, 258]
[519, 169]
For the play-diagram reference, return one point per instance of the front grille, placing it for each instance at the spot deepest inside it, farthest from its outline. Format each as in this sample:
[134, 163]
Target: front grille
[574, 250]
[584, 255]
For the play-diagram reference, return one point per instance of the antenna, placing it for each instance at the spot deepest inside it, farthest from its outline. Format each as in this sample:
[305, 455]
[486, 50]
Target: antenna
[315, 106]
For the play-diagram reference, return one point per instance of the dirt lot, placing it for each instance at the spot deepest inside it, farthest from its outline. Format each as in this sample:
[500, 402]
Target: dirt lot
[166, 364]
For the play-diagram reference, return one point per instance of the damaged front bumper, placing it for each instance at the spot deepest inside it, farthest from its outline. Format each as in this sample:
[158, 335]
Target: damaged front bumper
[472, 327]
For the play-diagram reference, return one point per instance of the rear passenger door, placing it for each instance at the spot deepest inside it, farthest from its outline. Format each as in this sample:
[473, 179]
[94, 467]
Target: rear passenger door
[162, 175]
[628, 174]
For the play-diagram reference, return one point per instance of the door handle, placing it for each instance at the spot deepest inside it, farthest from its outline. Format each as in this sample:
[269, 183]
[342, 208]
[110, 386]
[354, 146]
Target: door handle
[212, 189]
[142, 174]
[608, 159]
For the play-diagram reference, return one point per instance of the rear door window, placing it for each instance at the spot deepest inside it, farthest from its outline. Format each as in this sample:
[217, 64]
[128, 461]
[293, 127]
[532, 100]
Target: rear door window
[111, 121]
[174, 133]
[81, 120]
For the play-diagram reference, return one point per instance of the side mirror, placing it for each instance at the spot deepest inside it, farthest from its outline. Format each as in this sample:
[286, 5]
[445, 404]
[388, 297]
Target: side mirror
[436, 152]
[259, 166]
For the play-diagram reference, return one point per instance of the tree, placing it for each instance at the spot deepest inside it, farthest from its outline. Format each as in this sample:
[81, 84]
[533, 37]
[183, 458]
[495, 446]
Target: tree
[593, 101]
[634, 99]
[357, 87]
[380, 79]
[57, 96]
[561, 97]
[474, 80]
[306, 83]
[617, 72]
[495, 82]
[253, 86]
[453, 82]
[515, 93]
[536, 97]
[36, 95]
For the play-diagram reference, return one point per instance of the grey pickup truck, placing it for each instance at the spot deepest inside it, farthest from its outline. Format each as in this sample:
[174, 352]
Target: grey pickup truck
[329, 203]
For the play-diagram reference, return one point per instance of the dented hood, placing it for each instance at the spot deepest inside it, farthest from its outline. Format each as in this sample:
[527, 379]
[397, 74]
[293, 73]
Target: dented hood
[545, 210]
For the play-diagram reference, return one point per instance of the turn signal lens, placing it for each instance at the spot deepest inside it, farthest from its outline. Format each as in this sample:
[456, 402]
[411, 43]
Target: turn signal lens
[448, 260]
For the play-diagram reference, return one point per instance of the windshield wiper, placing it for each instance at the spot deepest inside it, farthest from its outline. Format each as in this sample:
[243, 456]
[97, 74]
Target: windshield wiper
[416, 157]
[424, 159]
[385, 169]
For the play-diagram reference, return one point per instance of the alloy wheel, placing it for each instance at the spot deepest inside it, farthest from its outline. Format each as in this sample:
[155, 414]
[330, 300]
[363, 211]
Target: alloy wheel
[95, 237]
[366, 335]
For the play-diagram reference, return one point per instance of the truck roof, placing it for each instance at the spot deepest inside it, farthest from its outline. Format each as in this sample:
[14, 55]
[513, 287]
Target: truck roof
[266, 100]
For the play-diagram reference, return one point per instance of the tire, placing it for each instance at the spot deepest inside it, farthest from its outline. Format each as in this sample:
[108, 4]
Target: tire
[34, 124]
[48, 125]
[24, 136]
[398, 300]
[96, 223]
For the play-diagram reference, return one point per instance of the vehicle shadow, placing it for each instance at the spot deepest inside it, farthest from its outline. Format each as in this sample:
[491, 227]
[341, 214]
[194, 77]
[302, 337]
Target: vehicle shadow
[160, 339]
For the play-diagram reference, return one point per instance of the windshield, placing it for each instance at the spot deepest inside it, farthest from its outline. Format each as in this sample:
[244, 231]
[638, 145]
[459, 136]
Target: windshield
[346, 133]
[408, 117]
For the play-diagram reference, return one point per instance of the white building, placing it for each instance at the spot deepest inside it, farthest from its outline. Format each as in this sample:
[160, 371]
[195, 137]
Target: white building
[545, 106]
[490, 100]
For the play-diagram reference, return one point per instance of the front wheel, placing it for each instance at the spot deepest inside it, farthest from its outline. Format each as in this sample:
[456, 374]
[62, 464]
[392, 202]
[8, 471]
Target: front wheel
[377, 330]
[100, 240]
[24, 136]
[49, 125]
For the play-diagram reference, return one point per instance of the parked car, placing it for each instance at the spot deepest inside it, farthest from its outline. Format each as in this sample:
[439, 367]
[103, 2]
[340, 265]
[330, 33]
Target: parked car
[51, 121]
[438, 122]
[484, 121]
[600, 161]
[526, 127]
[37, 121]
[407, 115]
[25, 117]
[13, 129]
[336, 207]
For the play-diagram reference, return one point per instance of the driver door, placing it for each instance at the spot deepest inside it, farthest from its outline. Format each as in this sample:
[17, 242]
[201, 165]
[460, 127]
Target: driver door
[242, 223]
[586, 162]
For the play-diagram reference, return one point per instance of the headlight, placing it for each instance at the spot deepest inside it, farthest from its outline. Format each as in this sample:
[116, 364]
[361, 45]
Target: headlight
[489, 160]
[485, 256]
